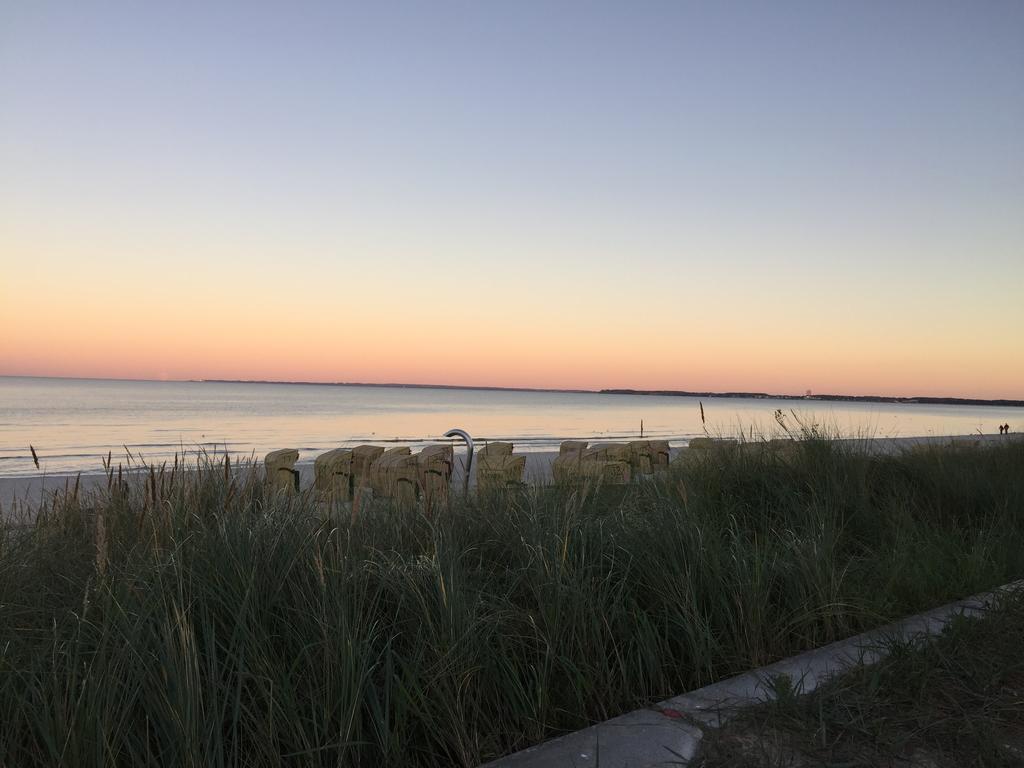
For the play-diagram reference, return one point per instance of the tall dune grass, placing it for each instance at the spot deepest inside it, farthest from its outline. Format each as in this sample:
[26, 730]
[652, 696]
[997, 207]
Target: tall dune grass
[188, 618]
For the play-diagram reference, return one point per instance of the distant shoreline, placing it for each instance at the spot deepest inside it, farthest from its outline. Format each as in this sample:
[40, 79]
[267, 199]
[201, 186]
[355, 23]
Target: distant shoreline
[655, 392]
[396, 385]
[827, 398]
[917, 400]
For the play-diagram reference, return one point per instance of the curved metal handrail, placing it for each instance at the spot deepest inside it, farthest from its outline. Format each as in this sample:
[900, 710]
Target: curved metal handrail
[469, 454]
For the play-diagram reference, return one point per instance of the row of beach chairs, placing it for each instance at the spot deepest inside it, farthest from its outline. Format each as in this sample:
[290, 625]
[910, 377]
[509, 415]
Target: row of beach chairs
[342, 473]
[617, 463]
[395, 473]
[612, 463]
[398, 473]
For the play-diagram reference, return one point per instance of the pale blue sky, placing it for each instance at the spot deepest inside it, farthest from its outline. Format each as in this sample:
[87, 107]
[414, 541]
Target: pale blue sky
[846, 155]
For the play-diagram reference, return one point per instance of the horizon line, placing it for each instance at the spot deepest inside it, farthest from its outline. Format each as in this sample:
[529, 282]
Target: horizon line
[903, 399]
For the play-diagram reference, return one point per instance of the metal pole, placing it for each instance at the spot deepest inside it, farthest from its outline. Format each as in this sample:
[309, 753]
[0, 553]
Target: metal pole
[469, 454]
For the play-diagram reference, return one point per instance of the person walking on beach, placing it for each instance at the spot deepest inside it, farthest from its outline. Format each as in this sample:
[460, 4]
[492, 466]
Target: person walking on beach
[1000, 429]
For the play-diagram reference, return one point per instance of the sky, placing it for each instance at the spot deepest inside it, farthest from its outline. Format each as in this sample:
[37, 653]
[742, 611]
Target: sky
[741, 196]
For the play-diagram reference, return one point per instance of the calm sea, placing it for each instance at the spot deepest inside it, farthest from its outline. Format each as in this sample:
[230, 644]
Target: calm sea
[72, 423]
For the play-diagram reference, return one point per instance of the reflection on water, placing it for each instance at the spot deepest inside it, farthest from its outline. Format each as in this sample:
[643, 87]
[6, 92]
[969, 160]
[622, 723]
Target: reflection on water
[73, 423]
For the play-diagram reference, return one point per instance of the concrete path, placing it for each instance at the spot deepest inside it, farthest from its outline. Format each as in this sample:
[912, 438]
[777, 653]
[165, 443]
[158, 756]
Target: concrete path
[670, 732]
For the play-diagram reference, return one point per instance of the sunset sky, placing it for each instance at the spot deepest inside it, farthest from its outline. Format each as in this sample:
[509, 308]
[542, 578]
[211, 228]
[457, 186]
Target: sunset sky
[665, 195]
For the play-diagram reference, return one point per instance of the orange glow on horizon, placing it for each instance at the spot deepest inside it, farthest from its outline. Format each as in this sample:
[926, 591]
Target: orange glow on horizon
[99, 336]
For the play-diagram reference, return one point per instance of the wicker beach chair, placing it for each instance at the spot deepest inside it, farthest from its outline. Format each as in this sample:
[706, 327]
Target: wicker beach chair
[332, 473]
[363, 457]
[497, 468]
[280, 468]
[648, 456]
[434, 472]
[566, 466]
[393, 475]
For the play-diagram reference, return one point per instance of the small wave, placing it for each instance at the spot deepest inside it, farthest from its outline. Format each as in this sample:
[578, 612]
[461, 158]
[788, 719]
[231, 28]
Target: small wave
[45, 456]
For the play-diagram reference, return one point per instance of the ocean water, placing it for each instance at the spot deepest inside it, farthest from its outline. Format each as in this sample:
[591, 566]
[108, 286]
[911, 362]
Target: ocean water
[74, 423]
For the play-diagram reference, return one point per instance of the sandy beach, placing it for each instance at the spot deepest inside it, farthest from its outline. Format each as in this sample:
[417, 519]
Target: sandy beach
[27, 491]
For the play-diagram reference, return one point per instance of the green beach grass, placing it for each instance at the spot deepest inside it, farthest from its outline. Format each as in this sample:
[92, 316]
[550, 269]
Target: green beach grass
[190, 619]
[953, 702]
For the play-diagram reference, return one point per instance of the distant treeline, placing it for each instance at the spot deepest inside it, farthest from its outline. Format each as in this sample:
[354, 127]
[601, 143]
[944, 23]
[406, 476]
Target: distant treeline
[843, 398]
[672, 392]
[395, 385]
